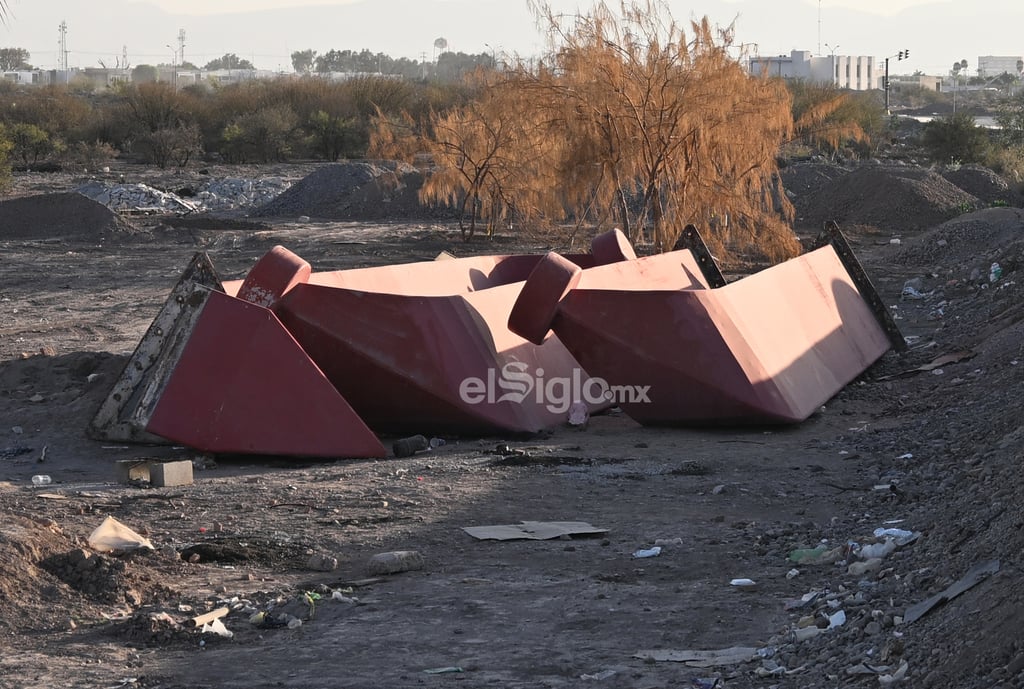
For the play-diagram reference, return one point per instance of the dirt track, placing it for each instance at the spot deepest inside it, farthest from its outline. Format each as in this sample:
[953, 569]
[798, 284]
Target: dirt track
[724, 504]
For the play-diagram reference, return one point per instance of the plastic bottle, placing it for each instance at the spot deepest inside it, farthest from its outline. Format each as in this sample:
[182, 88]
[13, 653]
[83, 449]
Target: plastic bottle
[41, 480]
[995, 272]
[806, 556]
[878, 550]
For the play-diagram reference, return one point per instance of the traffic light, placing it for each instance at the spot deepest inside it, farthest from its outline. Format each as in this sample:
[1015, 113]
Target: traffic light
[904, 55]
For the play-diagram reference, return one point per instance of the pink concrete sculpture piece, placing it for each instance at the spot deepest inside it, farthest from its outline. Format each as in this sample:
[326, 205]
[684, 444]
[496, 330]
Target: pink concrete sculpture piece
[769, 348]
[297, 363]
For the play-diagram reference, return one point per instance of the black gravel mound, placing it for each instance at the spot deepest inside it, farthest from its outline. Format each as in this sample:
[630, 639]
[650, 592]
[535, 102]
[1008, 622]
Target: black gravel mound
[364, 190]
[61, 216]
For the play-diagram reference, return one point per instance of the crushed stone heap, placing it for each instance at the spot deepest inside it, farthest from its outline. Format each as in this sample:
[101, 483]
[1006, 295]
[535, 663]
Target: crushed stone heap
[365, 190]
[889, 198]
[65, 215]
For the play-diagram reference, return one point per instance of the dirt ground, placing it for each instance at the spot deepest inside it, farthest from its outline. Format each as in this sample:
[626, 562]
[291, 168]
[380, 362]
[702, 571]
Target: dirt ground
[935, 451]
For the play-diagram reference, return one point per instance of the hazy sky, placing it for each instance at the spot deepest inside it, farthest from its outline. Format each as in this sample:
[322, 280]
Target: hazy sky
[937, 32]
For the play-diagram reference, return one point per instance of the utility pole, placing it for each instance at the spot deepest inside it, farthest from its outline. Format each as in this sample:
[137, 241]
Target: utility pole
[181, 46]
[174, 66]
[819, 27]
[885, 85]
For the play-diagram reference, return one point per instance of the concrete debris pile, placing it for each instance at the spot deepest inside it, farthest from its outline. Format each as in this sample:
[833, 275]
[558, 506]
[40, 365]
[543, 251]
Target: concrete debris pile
[140, 198]
[229, 194]
[236, 193]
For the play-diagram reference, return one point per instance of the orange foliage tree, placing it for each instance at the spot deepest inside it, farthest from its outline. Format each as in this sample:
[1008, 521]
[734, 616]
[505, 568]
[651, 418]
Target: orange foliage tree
[827, 118]
[627, 120]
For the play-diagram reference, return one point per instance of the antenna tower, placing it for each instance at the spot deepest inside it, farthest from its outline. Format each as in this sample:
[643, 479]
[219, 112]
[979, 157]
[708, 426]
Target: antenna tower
[62, 44]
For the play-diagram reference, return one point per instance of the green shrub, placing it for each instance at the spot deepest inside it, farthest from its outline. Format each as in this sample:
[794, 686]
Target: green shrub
[956, 138]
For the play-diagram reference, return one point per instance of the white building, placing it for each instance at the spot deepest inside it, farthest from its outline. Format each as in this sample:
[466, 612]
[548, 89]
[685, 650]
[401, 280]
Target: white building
[995, 65]
[858, 73]
[22, 77]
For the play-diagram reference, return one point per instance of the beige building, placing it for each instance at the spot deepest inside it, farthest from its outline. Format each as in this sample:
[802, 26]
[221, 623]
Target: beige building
[924, 81]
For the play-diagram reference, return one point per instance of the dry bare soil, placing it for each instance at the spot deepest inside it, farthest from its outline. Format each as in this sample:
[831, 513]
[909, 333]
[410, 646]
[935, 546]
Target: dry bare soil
[934, 451]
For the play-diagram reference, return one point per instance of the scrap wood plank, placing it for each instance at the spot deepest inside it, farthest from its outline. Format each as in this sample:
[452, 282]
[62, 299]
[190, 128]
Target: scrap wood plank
[726, 656]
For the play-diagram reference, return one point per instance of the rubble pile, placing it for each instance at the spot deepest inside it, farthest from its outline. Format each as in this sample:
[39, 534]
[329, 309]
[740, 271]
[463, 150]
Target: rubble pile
[966, 243]
[888, 198]
[64, 216]
[140, 198]
[238, 193]
[26, 546]
[229, 194]
[368, 190]
[982, 182]
[96, 576]
[803, 178]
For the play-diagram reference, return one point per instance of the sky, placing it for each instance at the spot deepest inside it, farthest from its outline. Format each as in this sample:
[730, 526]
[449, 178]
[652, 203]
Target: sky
[936, 32]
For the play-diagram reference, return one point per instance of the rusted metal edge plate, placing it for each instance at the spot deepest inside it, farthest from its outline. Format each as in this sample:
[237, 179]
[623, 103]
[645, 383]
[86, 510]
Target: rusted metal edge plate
[691, 239]
[834, 236]
[124, 414]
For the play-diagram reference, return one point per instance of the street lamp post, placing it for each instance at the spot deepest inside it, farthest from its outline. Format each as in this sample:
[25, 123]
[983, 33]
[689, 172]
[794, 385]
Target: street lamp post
[835, 71]
[174, 65]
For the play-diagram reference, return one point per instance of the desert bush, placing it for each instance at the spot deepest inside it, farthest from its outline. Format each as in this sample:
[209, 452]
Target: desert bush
[5, 163]
[156, 106]
[916, 96]
[31, 144]
[1009, 162]
[90, 156]
[266, 135]
[53, 109]
[1010, 116]
[177, 145]
[334, 137]
[956, 138]
[160, 126]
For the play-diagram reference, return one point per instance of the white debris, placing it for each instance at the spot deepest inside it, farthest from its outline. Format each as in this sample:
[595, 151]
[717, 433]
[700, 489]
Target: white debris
[136, 197]
[236, 193]
[232, 193]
